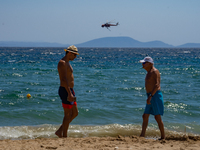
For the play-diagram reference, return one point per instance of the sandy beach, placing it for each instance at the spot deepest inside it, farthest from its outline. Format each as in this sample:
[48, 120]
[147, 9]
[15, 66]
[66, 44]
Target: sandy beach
[104, 143]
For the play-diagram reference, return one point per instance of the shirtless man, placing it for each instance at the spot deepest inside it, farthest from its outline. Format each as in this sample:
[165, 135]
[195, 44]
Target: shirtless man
[155, 105]
[66, 91]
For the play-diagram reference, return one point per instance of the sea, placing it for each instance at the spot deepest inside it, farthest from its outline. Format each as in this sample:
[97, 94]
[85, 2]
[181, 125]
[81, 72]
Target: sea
[110, 91]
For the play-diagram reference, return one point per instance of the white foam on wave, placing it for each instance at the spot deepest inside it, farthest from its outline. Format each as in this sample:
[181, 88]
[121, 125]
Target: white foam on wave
[48, 131]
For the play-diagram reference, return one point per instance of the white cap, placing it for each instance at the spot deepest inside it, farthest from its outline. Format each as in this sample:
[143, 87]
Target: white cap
[147, 59]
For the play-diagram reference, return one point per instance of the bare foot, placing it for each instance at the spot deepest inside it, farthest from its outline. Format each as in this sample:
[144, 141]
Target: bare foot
[161, 139]
[142, 135]
[58, 134]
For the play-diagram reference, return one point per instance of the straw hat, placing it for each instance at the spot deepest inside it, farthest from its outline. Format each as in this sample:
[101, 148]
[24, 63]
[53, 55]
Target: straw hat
[72, 49]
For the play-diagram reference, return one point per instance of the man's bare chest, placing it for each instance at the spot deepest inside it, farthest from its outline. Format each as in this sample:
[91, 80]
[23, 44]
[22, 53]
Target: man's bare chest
[69, 68]
[149, 77]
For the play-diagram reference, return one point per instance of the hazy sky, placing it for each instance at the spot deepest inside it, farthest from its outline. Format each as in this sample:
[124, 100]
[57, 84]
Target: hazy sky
[174, 22]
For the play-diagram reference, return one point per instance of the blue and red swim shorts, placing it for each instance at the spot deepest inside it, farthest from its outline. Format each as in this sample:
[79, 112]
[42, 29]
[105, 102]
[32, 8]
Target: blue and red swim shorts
[62, 92]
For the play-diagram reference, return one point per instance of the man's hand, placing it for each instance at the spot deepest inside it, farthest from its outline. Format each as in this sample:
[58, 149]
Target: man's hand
[70, 98]
[148, 100]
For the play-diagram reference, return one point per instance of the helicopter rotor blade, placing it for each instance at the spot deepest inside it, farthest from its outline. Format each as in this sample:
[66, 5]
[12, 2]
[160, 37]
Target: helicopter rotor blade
[112, 21]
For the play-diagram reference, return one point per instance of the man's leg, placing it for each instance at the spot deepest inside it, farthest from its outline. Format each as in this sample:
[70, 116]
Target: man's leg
[62, 131]
[66, 121]
[74, 112]
[144, 124]
[160, 125]
[59, 132]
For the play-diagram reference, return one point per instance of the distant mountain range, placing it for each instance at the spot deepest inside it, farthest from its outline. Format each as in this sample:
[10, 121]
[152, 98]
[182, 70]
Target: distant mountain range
[103, 42]
[121, 42]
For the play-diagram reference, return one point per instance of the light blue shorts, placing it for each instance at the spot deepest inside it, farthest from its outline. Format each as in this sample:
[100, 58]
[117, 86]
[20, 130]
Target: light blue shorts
[157, 106]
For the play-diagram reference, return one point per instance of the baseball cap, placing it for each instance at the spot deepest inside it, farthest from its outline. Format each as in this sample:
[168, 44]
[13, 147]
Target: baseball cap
[147, 59]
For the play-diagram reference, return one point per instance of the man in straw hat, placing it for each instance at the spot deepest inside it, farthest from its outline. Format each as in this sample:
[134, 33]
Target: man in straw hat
[154, 104]
[66, 92]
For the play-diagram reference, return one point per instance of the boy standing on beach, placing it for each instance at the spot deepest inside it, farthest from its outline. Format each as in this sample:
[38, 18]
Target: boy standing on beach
[155, 105]
[66, 92]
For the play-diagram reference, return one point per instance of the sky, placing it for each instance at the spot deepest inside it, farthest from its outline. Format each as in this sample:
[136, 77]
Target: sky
[174, 22]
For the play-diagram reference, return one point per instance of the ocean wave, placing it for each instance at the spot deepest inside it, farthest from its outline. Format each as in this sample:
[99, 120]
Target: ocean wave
[110, 130]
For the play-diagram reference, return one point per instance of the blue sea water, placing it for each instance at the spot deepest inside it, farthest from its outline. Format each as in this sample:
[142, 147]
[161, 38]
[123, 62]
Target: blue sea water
[110, 91]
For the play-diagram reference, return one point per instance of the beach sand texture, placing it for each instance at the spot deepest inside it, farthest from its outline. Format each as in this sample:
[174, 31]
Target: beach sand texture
[104, 143]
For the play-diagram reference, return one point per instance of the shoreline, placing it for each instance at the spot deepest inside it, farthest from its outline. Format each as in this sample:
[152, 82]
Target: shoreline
[110, 143]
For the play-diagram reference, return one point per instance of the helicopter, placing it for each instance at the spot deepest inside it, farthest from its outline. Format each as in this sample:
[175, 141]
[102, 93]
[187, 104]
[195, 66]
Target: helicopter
[108, 24]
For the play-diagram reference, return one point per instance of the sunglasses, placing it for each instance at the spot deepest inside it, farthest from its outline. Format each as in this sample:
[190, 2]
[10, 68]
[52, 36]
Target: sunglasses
[144, 63]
